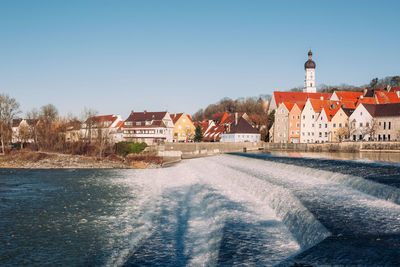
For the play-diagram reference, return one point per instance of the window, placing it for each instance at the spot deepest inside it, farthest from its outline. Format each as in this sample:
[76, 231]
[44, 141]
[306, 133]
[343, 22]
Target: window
[320, 134]
[292, 132]
[304, 117]
[334, 125]
[137, 123]
[308, 133]
[388, 137]
[303, 134]
[312, 116]
[380, 123]
[320, 125]
[293, 117]
[297, 124]
[389, 125]
[346, 125]
[340, 125]
[326, 125]
[367, 124]
[313, 125]
[361, 125]
[384, 127]
[326, 134]
[298, 117]
[312, 133]
[361, 113]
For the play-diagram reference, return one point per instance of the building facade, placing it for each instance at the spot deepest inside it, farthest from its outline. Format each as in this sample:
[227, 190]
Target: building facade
[148, 127]
[183, 127]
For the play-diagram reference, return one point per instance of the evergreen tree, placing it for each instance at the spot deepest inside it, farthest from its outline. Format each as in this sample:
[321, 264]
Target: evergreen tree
[198, 135]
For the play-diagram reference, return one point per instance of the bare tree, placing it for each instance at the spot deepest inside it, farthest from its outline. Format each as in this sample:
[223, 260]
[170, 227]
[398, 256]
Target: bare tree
[88, 115]
[9, 109]
[24, 134]
[32, 118]
[47, 117]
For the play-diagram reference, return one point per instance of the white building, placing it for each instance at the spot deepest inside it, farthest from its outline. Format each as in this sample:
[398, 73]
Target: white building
[148, 127]
[105, 128]
[308, 121]
[360, 124]
[241, 131]
[322, 126]
[309, 81]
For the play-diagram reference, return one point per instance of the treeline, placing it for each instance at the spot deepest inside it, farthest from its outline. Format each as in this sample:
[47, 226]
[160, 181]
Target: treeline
[250, 105]
[45, 130]
[376, 84]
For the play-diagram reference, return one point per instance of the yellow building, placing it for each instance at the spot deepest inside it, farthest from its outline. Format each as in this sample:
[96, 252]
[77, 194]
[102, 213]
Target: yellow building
[339, 126]
[183, 127]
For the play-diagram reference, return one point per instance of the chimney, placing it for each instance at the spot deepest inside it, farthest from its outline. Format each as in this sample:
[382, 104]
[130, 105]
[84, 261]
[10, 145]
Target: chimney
[236, 118]
[321, 97]
[144, 111]
[365, 91]
[362, 97]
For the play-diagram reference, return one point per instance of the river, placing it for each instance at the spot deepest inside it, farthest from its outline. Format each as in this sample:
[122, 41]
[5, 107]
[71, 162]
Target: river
[246, 209]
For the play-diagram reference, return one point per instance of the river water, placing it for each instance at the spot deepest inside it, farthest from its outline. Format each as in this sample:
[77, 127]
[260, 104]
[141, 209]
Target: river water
[230, 210]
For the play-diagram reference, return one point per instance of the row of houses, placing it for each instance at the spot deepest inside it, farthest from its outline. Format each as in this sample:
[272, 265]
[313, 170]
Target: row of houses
[304, 117]
[151, 128]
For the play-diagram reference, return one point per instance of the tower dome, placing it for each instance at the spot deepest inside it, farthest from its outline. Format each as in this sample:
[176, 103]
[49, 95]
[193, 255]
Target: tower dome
[309, 81]
[310, 64]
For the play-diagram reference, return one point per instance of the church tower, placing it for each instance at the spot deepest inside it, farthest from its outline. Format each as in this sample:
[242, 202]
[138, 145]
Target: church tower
[309, 82]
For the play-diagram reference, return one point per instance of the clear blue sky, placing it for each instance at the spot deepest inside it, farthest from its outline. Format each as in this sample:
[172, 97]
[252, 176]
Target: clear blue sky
[115, 56]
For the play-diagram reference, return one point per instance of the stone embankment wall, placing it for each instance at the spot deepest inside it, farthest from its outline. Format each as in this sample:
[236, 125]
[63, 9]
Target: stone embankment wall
[336, 147]
[193, 150]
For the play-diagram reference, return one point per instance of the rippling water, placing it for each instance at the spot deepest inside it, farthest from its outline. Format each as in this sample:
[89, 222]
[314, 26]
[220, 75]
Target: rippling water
[230, 210]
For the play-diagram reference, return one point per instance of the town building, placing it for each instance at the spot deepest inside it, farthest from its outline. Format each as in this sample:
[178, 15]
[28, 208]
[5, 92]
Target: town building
[281, 123]
[361, 124]
[385, 124]
[21, 131]
[309, 81]
[104, 128]
[183, 127]
[295, 122]
[148, 127]
[241, 131]
[339, 126]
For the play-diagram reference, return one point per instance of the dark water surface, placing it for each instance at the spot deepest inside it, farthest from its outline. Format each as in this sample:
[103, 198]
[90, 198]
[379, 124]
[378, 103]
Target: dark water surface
[231, 210]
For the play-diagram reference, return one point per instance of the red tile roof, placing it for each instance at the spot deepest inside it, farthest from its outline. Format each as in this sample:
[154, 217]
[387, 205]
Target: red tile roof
[347, 95]
[243, 127]
[383, 110]
[384, 97]
[103, 118]
[146, 116]
[175, 117]
[289, 105]
[297, 96]
[366, 100]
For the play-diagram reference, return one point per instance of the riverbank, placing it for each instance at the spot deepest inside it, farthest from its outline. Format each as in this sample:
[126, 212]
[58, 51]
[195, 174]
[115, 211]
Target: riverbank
[49, 160]
[350, 147]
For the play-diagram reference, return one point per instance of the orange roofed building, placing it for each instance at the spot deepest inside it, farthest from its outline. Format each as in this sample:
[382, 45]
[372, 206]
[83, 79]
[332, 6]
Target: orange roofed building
[295, 122]
[294, 97]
